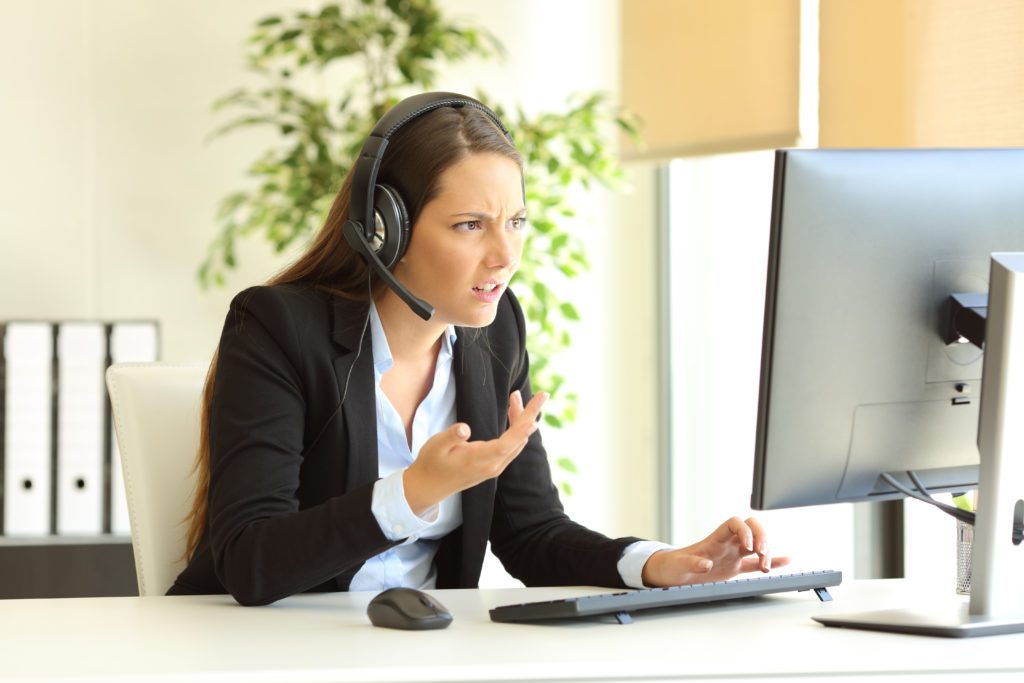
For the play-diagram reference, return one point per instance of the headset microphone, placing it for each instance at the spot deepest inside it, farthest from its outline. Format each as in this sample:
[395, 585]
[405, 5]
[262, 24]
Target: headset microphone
[354, 236]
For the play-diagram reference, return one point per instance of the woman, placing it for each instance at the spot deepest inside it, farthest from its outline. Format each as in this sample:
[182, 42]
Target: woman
[329, 461]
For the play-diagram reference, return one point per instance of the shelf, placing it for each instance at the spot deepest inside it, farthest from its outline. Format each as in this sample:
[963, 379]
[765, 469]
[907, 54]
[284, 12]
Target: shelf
[102, 539]
[67, 567]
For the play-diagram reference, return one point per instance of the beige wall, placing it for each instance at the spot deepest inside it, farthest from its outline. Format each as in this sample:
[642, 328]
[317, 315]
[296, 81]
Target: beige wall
[108, 193]
[924, 73]
[862, 90]
[708, 77]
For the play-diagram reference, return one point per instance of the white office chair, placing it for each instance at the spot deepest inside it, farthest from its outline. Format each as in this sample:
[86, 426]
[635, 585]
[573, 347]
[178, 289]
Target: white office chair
[156, 412]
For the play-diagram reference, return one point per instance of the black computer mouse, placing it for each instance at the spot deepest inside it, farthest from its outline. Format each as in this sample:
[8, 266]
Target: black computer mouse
[407, 608]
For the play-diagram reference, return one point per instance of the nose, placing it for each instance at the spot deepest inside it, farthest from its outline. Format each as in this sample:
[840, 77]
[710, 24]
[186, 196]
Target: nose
[504, 247]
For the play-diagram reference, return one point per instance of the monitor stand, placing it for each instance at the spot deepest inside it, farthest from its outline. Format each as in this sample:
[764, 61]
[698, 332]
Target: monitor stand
[997, 599]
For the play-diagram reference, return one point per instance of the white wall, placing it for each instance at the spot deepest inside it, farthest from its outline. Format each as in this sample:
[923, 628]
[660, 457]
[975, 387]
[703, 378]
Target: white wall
[718, 222]
[108, 193]
[45, 267]
[108, 188]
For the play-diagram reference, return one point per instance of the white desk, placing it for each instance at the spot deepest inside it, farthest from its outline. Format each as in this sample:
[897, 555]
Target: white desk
[327, 637]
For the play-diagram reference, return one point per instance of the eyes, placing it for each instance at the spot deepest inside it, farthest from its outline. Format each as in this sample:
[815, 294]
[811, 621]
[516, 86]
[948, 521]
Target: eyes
[517, 223]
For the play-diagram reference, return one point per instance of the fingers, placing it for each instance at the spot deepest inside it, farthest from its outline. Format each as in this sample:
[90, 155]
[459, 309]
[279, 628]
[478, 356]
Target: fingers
[523, 420]
[458, 432]
[515, 405]
[758, 564]
[751, 536]
[492, 456]
[515, 438]
[522, 423]
[760, 537]
[735, 528]
[517, 414]
[760, 544]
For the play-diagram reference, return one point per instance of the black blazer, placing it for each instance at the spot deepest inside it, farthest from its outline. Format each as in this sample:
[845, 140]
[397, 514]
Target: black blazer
[292, 469]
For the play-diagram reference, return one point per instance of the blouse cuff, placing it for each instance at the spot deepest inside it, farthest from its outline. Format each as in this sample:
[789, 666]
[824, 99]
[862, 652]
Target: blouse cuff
[634, 557]
[396, 519]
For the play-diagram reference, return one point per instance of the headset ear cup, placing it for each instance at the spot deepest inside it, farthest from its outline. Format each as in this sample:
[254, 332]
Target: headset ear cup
[388, 204]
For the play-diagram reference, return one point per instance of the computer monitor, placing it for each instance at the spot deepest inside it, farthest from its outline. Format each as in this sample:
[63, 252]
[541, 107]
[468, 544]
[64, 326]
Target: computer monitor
[858, 377]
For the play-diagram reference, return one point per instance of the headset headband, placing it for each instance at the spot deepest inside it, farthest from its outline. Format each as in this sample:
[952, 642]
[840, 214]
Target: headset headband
[364, 178]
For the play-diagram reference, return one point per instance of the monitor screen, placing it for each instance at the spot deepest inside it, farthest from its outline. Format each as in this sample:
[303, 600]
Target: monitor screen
[856, 378]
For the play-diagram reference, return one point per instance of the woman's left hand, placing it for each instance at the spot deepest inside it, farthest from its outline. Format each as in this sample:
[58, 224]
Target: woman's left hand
[735, 547]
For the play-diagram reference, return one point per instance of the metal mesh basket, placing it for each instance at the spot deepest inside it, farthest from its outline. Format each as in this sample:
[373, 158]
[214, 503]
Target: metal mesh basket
[964, 545]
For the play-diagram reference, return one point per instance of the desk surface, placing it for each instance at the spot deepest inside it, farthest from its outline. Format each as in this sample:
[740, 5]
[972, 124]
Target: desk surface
[327, 637]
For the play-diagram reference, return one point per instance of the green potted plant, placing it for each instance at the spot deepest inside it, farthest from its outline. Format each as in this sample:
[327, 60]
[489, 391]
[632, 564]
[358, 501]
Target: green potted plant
[391, 49]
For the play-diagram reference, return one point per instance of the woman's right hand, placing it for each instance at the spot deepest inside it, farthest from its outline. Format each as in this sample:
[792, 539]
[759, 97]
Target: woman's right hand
[449, 462]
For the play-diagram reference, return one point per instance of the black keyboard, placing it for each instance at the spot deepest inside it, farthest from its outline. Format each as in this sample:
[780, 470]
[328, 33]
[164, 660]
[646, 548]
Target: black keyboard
[621, 604]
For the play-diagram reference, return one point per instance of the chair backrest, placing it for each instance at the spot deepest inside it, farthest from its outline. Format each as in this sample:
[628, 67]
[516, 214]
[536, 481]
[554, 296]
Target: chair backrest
[156, 410]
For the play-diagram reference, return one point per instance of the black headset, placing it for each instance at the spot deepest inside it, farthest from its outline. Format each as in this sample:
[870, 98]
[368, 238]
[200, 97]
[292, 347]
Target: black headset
[378, 226]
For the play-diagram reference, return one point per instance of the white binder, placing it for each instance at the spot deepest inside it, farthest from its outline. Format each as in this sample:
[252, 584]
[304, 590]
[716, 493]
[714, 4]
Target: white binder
[28, 428]
[130, 342]
[81, 413]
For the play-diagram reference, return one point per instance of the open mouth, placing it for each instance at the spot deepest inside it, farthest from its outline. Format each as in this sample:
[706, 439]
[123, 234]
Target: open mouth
[490, 287]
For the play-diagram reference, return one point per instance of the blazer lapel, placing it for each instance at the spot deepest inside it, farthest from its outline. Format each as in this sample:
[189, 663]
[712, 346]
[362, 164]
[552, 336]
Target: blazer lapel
[355, 368]
[475, 405]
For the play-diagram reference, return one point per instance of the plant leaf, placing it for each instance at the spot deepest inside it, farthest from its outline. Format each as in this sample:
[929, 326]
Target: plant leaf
[568, 465]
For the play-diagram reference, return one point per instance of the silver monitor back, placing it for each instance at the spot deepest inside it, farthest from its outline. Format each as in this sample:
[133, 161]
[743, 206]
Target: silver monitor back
[866, 247]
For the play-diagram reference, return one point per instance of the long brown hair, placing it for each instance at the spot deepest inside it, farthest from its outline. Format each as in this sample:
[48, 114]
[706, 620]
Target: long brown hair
[417, 155]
